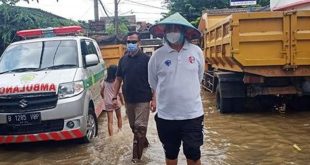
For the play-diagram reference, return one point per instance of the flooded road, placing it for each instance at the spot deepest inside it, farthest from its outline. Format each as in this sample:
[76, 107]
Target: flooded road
[249, 138]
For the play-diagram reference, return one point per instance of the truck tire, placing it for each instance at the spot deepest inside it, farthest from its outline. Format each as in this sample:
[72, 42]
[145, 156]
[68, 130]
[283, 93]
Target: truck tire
[300, 103]
[238, 104]
[91, 128]
[223, 104]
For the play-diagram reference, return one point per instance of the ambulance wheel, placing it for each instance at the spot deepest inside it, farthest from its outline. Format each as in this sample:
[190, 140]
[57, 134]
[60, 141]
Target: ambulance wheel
[91, 126]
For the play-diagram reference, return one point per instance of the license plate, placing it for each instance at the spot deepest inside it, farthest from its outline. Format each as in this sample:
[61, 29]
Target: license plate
[20, 119]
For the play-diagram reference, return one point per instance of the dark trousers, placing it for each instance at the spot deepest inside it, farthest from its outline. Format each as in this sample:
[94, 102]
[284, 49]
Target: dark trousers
[173, 132]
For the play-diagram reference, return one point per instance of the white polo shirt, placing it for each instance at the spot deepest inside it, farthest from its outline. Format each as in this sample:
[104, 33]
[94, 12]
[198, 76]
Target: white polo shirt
[176, 77]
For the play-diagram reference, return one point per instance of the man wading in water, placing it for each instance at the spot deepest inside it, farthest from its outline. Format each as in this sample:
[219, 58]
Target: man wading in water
[175, 72]
[132, 71]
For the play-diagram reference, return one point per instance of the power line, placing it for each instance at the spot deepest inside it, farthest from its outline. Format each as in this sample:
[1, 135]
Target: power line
[88, 9]
[130, 11]
[109, 11]
[142, 4]
[146, 12]
[105, 10]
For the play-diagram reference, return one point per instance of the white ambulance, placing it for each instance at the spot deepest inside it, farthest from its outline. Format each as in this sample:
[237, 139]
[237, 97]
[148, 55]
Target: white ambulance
[50, 87]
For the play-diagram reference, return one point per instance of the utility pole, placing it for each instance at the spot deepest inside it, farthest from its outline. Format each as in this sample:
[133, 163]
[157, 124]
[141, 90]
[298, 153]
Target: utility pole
[96, 10]
[116, 18]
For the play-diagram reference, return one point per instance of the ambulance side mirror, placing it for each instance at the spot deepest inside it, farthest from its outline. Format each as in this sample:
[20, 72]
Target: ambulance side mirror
[91, 60]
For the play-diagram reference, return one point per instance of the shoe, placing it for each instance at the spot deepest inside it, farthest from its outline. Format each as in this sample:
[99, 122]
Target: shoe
[134, 160]
[146, 143]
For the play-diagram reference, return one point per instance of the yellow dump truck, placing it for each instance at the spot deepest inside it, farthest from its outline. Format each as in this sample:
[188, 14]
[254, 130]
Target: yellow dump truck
[257, 55]
[112, 53]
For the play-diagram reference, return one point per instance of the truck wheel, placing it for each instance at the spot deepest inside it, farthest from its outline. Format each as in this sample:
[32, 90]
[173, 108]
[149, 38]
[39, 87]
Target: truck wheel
[238, 104]
[222, 104]
[300, 103]
[91, 126]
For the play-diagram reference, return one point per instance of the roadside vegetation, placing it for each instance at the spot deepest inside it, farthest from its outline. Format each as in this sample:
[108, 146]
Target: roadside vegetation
[15, 18]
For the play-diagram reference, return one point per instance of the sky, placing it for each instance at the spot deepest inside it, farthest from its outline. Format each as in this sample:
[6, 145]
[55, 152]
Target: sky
[84, 9]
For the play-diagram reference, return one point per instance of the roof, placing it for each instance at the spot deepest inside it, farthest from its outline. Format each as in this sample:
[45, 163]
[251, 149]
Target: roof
[147, 42]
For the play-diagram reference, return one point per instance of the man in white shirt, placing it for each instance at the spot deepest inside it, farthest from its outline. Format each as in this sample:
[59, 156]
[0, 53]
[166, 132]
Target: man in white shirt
[174, 72]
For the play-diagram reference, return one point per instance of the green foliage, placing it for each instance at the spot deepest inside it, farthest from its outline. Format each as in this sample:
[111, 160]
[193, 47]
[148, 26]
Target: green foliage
[192, 9]
[20, 18]
[110, 29]
[13, 2]
[123, 28]
[263, 2]
[10, 2]
[84, 24]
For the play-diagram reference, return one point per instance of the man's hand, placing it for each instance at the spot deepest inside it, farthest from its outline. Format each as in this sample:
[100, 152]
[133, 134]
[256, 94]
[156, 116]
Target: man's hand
[153, 105]
[153, 102]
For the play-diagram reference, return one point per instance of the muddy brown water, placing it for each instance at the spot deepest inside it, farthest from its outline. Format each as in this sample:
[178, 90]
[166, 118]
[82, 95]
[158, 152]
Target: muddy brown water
[263, 137]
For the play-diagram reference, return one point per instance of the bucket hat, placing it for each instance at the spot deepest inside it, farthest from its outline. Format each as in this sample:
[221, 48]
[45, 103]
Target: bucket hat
[158, 30]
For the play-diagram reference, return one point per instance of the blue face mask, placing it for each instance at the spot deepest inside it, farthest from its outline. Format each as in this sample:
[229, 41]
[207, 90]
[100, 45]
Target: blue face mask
[132, 47]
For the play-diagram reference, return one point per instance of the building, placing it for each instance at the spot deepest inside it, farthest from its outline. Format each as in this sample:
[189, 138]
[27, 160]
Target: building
[148, 46]
[143, 28]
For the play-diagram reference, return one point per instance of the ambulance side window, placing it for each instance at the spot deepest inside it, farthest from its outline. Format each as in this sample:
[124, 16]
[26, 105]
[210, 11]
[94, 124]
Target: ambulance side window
[87, 47]
[83, 48]
[91, 48]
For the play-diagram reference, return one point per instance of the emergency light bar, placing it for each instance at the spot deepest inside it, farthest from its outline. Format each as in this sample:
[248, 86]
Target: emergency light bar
[49, 32]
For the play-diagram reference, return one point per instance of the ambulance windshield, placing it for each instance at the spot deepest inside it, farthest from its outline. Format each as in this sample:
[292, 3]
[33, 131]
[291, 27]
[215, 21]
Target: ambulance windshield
[39, 55]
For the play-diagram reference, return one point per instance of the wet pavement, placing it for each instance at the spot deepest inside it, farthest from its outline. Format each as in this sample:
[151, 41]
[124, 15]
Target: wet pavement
[260, 137]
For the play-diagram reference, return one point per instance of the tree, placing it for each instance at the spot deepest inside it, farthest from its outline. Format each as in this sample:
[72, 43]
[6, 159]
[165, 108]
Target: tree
[15, 18]
[191, 9]
[263, 2]
[10, 2]
[123, 28]
[13, 2]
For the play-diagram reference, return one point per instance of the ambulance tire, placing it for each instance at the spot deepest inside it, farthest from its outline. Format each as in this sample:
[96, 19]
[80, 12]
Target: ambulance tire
[92, 126]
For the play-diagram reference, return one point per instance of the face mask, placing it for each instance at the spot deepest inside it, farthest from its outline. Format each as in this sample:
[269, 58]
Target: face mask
[174, 37]
[132, 47]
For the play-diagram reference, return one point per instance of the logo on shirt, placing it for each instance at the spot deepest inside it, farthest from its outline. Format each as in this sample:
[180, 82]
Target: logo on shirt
[168, 62]
[191, 59]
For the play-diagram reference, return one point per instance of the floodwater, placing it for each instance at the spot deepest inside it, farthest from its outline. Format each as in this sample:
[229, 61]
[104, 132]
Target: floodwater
[261, 137]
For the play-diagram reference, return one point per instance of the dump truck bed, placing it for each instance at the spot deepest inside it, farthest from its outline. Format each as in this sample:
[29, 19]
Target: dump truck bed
[271, 44]
[112, 53]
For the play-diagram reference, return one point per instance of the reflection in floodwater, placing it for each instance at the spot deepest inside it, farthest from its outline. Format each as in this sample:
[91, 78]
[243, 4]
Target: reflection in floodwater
[247, 138]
